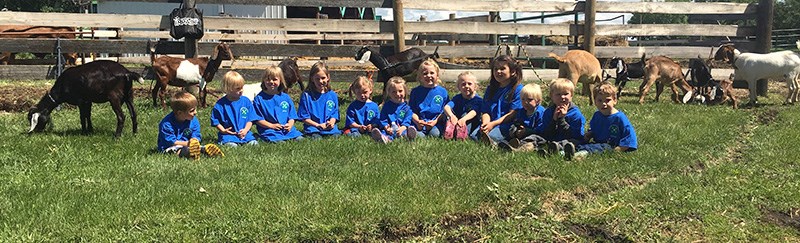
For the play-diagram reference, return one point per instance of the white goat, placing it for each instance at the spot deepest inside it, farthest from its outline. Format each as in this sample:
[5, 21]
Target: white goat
[753, 66]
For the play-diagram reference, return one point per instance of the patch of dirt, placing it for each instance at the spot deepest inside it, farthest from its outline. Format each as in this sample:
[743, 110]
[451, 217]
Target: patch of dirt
[597, 233]
[558, 204]
[766, 117]
[789, 219]
[15, 98]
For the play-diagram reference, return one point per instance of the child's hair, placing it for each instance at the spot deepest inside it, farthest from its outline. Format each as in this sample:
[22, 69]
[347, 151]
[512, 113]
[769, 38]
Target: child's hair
[605, 89]
[464, 75]
[182, 101]
[319, 66]
[271, 72]
[532, 91]
[360, 83]
[232, 81]
[515, 71]
[429, 62]
[396, 81]
[561, 84]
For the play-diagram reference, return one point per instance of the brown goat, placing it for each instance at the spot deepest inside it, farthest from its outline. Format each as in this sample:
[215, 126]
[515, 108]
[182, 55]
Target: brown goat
[665, 71]
[186, 72]
[579, 66]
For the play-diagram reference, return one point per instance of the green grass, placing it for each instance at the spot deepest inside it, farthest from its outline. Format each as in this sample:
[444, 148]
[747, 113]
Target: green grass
[701, 173]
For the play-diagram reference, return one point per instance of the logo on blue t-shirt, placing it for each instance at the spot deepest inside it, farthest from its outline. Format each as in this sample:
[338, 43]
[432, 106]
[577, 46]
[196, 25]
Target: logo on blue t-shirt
[438, 99]
[402, 114]
[330, 105]
[285, 106]
[243, 112]
[613, 131]
[370, 114]
[187, 132]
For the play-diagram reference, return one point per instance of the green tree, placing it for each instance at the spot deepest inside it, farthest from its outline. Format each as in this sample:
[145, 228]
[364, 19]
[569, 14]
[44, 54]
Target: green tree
[41, 5]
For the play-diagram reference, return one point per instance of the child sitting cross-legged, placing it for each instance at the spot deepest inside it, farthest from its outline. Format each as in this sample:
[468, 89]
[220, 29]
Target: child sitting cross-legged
[428, 100]
[362, 114]
[276, 108]
[609, 128]
[233, 114]
[319, 104]
[562, 123]
[462, 111]
[179, 131]
[524, 133]
[395, 118]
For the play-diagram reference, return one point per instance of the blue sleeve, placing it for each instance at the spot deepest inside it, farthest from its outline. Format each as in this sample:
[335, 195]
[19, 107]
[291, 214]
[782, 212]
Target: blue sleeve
[414, 101]
[516, 102]
[253, 115]
[195, 126]
[451, 104]
[216, 115]
[407, 119]
[335, 114]
[350, 116]
[168, 133]
[292, 111]
[629, 135]
[384, 117]
[538, 121]
[576, 123]
[304, 111]
[476, 105]
[258, 105]
[485, 105]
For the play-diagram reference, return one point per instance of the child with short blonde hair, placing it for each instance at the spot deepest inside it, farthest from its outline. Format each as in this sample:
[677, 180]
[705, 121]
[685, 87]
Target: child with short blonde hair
[233, 114]
[395, 118]
[528, 122]
[428, 100]
[562, 121]
[319, 104]
[609, 128]
[362, 114]
[462, 110]
[179, 131]
[275, 108]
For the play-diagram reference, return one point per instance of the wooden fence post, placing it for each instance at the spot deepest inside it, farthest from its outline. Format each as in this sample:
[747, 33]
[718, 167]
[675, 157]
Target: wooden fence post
[190, 44]
[589, 15]
[420, 40]
[453, 37]
[493, 17]
[399, 31]
[766, 9]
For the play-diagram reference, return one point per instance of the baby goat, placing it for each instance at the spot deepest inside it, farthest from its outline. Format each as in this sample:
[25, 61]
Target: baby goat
[665, 71]
[186, 72]
[626, 71]
[579, 66]
[94, 82]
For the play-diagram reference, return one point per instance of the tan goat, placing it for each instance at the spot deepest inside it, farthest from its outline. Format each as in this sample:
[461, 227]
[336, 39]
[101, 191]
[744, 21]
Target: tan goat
[665, 71]
[579, 66]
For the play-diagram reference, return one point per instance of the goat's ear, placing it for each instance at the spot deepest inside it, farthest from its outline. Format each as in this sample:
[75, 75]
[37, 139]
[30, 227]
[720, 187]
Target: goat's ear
[34, 121]
[215, 53]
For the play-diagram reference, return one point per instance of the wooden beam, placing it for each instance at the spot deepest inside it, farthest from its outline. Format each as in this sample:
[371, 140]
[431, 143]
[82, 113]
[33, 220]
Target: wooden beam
[91, 20]
[676, 7]
[674, 30]
[462, 27]
[296, 3]
[264, 37]
[637, 51]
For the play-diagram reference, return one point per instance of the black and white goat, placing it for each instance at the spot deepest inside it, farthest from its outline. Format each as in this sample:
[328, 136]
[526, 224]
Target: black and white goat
[753, 66]
[626, 71]
[706, 89]
[95, 82]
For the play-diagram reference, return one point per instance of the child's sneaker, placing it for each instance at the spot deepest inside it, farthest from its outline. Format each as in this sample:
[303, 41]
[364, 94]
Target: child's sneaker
[461, 133]
[486, 140]
[411, 133]
[569, 151]
[514, 143]
[526, 147]
[378, 136]
[448, 130]
[194, 149]
[213, 150]
[550, 148]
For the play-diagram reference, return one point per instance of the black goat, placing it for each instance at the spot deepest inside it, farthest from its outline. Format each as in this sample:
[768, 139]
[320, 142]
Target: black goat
[400, 64]
[94, 82]
[626, 71]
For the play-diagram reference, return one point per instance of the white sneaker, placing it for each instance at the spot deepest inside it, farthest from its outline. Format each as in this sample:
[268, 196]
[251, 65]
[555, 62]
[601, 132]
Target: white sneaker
[378, 136]
[411, 133]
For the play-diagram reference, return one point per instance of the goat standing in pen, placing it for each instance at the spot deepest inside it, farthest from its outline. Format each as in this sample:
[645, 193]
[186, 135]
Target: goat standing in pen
[94, 82]
[663, 71]
[626, 71]
[400, 64]
[753, 66]
[580, 66]
[186, 72]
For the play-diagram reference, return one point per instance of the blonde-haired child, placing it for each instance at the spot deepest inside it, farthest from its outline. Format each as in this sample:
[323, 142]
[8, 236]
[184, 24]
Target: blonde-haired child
[179, 131]
[362, 114]
[233, 114]
[524, 134]
[395, 118]
[319, 104]
[563, 121]
[275, 108]
[428, 100]
[501, 100]
[609, 128]
[462, 110]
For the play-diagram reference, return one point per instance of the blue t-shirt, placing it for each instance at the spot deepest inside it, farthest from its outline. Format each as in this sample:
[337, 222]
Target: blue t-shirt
[236, 115]
[361, 113]
[571, 129]
[399, 114]
[319, 107]
[461, 106]
[614, 129]
[497, 105]
[534, 121]
[428, 103]
[171, 131]
[279, 109]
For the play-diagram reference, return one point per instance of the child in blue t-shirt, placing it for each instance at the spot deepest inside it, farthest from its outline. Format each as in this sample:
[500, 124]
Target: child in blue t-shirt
[562, 121]
[529, 120]
[462, 111]
[395, 118]
[179, 131]
[319, 104]
[362, 114]
[609, 128]
[233, 114]
[428, 100]
[501, 101]
[276, 108]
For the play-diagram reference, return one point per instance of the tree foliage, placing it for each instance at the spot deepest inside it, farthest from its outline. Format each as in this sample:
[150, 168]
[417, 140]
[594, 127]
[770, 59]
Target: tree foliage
[41, 5]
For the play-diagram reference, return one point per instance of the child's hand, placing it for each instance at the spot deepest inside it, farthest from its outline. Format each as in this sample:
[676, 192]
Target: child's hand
[367, 128]
[461, 123]
[487, 127]
[242, 133]
[453, 119]
[561, 111]
[228, 130]
[330, 124]
[389, 130]
[286, 127]
[274, 126]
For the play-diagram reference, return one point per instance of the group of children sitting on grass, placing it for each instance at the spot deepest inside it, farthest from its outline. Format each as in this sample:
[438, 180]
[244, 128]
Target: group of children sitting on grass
[510, 115]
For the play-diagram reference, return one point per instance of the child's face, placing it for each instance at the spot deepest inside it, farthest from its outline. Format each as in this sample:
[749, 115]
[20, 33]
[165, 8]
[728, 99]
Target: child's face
[529, 103]
[561, 97]
[428, 76]
[502, 74]
[186, 115]
[320, 80]
[234, 93]
[605, 102]
[397, 94]
[467, 85]
[363, 94]
[271, 84]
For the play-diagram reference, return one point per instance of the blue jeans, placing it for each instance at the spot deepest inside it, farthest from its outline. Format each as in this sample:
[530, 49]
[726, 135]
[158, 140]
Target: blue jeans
[316, 135]
[354, 134]
[232, 144]
[594, 148]
[433, 132]
[494, 134]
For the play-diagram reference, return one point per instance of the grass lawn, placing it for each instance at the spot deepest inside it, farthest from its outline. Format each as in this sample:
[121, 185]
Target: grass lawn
[701, 173]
